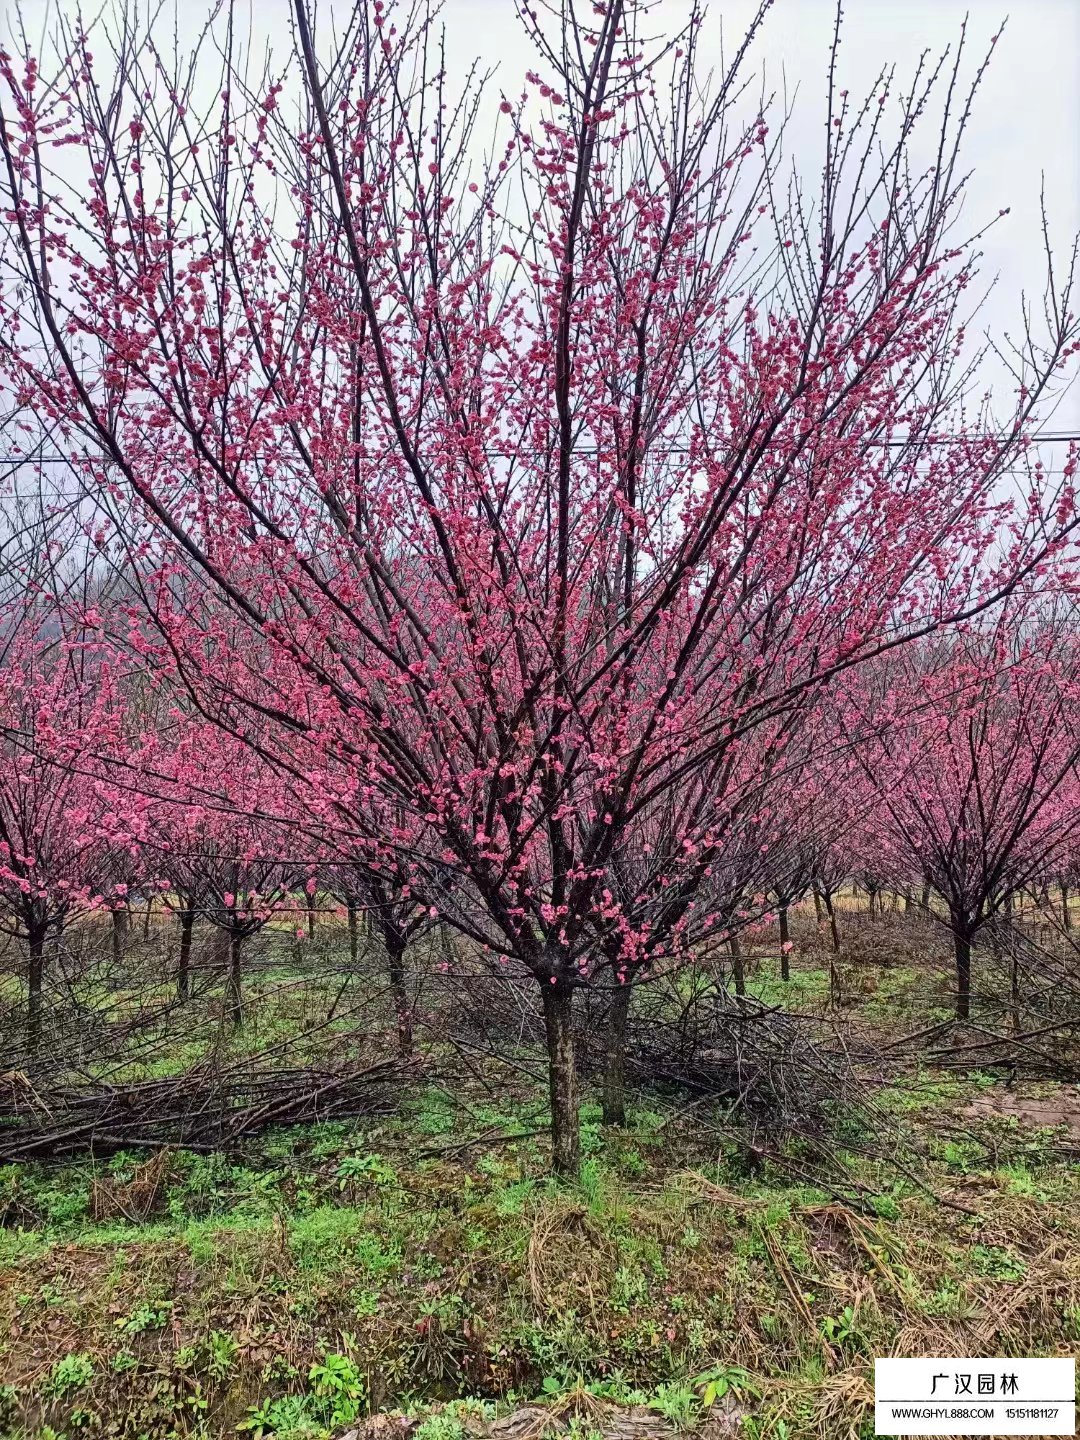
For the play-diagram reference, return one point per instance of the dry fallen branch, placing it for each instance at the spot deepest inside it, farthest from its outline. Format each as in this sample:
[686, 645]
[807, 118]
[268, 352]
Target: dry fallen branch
[205, 1108]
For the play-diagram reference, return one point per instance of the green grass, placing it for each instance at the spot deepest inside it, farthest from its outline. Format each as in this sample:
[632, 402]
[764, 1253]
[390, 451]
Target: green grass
[292, 1286]
[486, 1277]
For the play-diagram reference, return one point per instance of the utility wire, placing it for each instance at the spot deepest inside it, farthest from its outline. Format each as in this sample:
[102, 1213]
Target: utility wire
[1053, 437]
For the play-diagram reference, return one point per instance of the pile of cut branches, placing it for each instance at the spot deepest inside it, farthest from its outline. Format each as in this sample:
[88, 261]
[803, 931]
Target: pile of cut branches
[208, 1107]
[780, 1072]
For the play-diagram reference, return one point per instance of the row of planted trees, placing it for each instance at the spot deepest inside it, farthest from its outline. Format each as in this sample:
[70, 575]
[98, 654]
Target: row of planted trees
[947, 775]
[584, 533]
[106, 803]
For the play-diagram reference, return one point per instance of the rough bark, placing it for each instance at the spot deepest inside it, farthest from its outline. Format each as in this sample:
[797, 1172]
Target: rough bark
[354, 932]
[183, 969]
[738, 970]
[962, 951]
[785, 969]
[562, 1079]
[36, 981]
[234, 997]
[614, 1097]
[395, 964]
[119, 933]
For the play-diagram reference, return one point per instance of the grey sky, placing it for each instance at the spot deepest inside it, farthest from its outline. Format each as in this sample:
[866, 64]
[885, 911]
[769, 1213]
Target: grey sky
[1026, 123]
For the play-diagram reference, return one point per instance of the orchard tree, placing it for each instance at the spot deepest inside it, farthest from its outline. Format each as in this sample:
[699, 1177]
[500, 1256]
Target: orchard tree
[976, 762]
[384, 889]
[173, 856]
[523, 491]
[661, 910]
[60, 838]
[814, 805]
[222, 848]
[832, 865]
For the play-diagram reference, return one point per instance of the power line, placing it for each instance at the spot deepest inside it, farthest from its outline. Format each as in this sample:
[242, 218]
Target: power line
[592, 451]
[1043, 438]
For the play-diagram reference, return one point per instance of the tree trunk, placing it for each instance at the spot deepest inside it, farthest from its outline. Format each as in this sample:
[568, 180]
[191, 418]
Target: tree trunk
[395, 963]
[962, 951]
[183, 969]
[310, 915]
[1066, 917]
[234, 999]
[36, 981]
[148, 917]
[562, 1079]
[926, 897]
[817, 905]
[737, 967]
[785, 969]
[831, 909]
[354, 934]
[614, 1101]
[119, 934]
[221, 949]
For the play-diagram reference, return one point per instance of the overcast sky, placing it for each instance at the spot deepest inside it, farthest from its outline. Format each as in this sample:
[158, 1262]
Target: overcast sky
[1026, 125]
